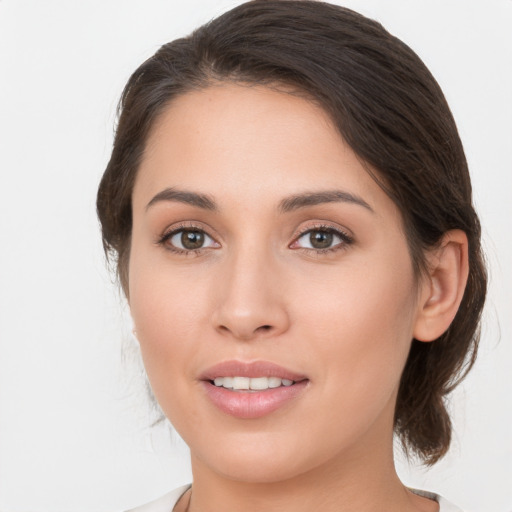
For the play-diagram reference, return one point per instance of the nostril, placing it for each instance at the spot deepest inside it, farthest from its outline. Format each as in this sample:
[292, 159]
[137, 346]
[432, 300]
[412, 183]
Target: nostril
[265, 327]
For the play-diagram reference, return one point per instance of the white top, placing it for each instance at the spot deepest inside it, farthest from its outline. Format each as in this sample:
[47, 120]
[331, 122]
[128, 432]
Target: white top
[166, 503]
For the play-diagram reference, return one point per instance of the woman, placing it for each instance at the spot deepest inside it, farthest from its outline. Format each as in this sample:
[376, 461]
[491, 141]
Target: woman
[289, 206]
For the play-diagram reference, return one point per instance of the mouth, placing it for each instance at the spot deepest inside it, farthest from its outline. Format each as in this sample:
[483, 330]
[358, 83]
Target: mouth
[252, 390]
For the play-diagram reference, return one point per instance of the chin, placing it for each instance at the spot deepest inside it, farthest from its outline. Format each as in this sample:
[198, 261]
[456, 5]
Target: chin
[261, 458]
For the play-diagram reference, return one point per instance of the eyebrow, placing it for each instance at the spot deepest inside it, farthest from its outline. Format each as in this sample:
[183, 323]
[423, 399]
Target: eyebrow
[182, 196]
[289, 204]
[306, 199]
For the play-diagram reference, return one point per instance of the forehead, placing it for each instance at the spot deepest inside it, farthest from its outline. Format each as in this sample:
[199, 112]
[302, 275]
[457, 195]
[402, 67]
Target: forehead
[240, 121]
[249, 143]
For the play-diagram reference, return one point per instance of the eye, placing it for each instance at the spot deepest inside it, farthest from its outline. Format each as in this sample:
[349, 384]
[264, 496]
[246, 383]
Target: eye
[187, 239]
[321, 239]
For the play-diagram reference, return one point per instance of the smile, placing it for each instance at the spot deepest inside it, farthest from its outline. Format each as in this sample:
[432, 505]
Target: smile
[250, 390]
[251, 384]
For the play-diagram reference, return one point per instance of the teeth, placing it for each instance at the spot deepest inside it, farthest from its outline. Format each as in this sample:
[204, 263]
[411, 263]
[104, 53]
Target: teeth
[255, 383]
[241, 382]
[274, 382]
[259, 383]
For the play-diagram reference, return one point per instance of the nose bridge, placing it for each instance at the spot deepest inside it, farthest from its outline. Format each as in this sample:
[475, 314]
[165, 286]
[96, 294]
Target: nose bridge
[250, 300]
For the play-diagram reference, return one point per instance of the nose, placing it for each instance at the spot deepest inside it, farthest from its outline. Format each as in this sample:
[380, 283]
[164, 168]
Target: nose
[250, 297]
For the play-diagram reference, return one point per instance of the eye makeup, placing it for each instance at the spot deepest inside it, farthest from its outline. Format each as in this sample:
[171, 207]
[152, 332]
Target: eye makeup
[322, 238]
[189, 238]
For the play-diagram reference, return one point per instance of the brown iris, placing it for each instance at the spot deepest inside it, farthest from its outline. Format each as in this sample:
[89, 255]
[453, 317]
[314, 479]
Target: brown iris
[320, 239]
[192, 239]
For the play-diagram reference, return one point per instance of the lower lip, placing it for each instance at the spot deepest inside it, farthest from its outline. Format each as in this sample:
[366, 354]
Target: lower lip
[252, 404]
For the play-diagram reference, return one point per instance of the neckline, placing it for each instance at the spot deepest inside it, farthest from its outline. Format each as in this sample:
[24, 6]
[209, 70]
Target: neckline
[187, 490]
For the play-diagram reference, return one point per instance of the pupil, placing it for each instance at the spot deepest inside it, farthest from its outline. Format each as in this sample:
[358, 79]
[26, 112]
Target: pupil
[192, 239]
[320, 239]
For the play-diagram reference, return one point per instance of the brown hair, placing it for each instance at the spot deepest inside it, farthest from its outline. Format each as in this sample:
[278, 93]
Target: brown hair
[389, 109]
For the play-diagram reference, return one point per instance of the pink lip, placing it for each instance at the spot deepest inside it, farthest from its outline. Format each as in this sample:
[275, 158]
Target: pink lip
[251, 404]
[252, 369]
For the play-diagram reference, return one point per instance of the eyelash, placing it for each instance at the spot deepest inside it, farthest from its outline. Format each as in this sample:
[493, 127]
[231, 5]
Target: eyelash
[167, 235]
[346, 239]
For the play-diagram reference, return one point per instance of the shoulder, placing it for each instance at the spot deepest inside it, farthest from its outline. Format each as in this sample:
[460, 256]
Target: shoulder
[444, 505]
[164, 503]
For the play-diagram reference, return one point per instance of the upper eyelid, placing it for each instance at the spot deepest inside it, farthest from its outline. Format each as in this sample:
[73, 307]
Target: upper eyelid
[298, 232]
[188, 225]
[319, 225]
[345, 235]
[164, 239]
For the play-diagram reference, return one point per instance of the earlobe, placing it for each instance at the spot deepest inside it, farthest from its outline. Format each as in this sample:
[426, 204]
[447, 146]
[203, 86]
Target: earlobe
[443, 287]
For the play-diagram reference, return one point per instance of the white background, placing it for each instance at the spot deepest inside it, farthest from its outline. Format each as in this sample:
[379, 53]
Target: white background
[74, 418]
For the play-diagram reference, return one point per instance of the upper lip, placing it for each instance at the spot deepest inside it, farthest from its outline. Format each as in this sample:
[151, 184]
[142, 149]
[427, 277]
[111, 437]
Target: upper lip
[249, 369]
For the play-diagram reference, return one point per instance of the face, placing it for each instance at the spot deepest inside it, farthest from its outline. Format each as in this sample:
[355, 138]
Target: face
[265, 257]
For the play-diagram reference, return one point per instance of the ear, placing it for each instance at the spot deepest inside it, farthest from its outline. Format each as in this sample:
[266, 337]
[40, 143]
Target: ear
[443, 287]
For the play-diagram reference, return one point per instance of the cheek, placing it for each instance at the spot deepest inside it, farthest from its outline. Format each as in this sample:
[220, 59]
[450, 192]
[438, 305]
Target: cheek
[167, 311]
[162, 296]
[356, 332]
[363, 322]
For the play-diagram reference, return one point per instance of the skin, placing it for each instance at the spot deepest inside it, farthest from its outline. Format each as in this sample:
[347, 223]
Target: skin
[256, 290]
